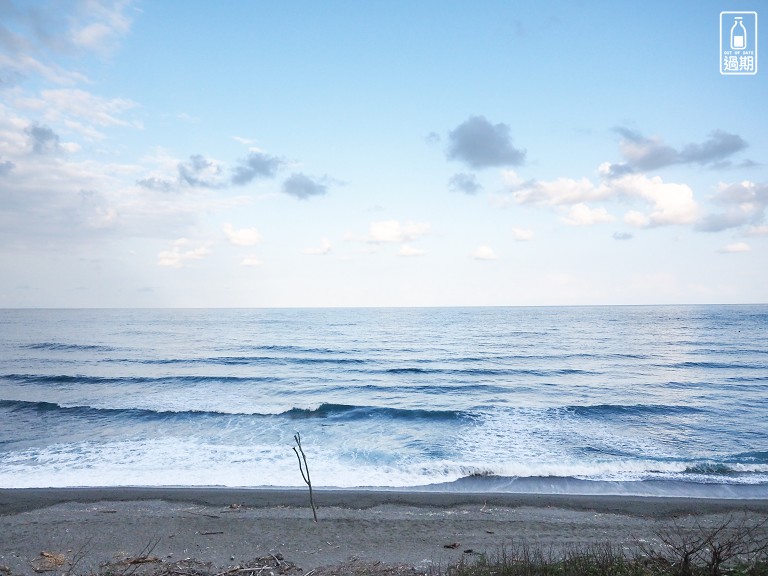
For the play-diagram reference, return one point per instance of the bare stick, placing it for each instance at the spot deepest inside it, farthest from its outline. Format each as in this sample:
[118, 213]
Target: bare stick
[304, 469]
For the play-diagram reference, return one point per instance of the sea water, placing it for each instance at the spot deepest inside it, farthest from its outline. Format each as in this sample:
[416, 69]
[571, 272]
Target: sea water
[647, 400]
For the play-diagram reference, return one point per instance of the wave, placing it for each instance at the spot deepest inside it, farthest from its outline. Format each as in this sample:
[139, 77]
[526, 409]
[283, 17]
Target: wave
[754, 456]
[67, 379]
[301, 349]
[577, 486]
[331, 410]
[719, 349]
[61, 347]
[239, 360]
[712, 469]
[348, 412]
[339, 412]
[746, 378]
[717, 365]
[484, 371]
[608, 410]
[91, 411]
[356, 364]
[351, 386]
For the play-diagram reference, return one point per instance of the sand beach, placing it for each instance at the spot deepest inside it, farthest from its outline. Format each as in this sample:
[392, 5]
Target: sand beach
[50, 529]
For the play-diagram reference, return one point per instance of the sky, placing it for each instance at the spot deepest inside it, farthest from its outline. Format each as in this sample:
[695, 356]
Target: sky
[380, 153]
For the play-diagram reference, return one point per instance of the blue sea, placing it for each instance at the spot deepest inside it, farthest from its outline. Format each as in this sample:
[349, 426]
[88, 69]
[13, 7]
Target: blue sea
[646, 400]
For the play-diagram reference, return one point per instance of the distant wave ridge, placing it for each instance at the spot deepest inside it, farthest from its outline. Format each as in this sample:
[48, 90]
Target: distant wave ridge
[610, 410]
[69, 379]
[330, 411]
[66, 347]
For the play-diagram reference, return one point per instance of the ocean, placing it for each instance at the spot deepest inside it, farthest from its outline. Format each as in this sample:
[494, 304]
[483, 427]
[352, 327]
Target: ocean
[641, 400]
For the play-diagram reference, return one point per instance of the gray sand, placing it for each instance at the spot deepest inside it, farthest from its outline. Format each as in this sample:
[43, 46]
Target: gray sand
[230, 526]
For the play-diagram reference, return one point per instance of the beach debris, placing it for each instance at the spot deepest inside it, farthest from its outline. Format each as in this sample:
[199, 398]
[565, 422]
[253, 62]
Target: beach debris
[452, 545]
[304, 469]
[131, 564]
[5, 569]
[263, 566]
[211, 532]
[207, 515]
[360, 567]
[272, 565]
[48, 561]
[142, 560]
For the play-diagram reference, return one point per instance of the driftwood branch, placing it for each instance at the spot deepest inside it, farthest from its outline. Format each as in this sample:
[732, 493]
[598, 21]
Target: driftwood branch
[304, 469]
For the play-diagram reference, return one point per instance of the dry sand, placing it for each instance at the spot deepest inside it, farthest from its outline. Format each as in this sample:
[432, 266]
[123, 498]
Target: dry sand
[227, 527]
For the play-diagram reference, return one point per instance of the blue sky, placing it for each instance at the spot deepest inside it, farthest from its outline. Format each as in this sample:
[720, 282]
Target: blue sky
[377, 154]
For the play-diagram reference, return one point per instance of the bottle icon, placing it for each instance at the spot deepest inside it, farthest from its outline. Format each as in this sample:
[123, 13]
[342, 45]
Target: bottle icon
[738, 35]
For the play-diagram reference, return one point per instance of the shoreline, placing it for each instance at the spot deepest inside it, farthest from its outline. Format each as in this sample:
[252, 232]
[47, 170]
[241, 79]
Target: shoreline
[230, 526]
[15, 500]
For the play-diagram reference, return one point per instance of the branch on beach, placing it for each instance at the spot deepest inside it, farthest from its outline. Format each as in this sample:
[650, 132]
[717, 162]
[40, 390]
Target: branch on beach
[144, 557]
[304, 469]
[691, 548]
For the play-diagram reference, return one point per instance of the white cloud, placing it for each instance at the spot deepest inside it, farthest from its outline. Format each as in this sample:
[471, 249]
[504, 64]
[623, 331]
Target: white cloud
[322, 250]
[668, 203]
[637, 219]
[60, 28]
[387, 231]
[484, 253]
[558, 192]
[582, 215]
[745, 204]
[406, 250]
[757, 231]
[79, 110]
[104, 23]
[23, 64]
[245, 142]
[522, 234]
[511, 179]
[251, 261]
[178, 256]
[735, 248]
[242, 237]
